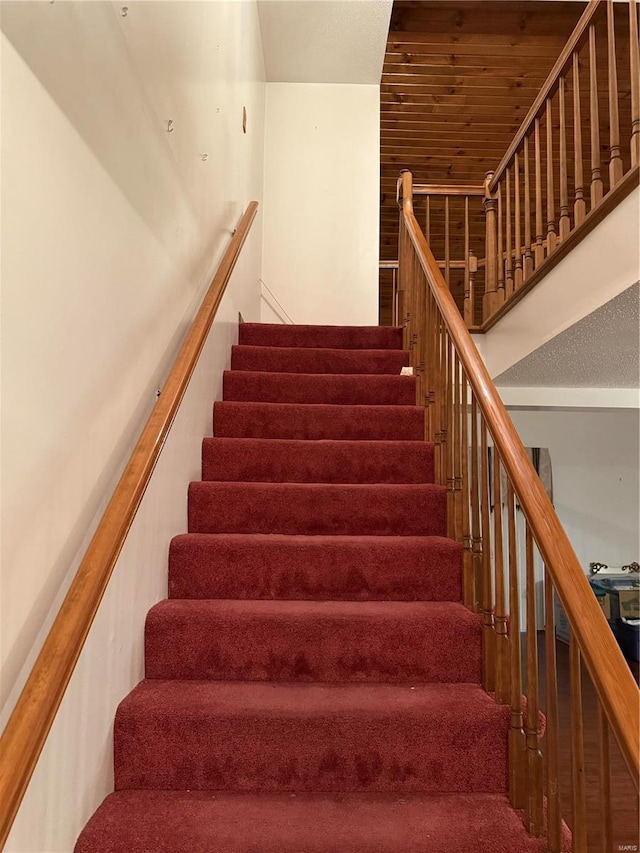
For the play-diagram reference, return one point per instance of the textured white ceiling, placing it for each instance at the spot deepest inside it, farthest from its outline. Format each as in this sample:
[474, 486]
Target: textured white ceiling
[600, 351]
[324, 41]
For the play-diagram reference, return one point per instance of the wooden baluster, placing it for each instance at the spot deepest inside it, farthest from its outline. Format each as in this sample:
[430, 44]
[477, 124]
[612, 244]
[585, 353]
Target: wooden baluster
[539, 250]
[508, 265]
[551, 213]
[580, 206]
[488, 628]
[517, 737]
[428, 436]
[447, 251]
[490, 302]
[517, 276]
[528, 254]
[468, 594]
[564, 224]
[425, 357]
[444, 435]
[615, 160]
[436, 393]
[427, 223]
[451, 485]
[431, 361]
[421, 285]
[500, 258]
[468, 315]
[605, 781]
[594, 119]
[402, 274]
[502, 682]
[394, 297]
[457, 446]
[442, 426]
[634, 61]
[579, 822]
[476, 543]
[532, 720]
[473, 269]
[554, 812]
[415, 318]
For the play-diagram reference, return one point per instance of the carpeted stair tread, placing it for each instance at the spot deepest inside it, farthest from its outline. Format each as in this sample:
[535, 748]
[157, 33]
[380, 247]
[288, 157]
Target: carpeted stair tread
[318, 421]
[319, 360]
[313, 680]
[318, 508]
[298, 461]
[332, 389]
[206, 822]
[326, 641]
[332, 337]
[271, 737]
[272, 566]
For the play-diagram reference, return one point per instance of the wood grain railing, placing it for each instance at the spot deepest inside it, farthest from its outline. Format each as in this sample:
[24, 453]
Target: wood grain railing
[574, 158]
[449, 212]
[464, 418]
[27, 729]
[548, 184]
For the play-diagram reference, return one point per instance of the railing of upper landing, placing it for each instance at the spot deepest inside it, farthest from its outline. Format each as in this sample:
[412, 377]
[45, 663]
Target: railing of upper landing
[574, 158]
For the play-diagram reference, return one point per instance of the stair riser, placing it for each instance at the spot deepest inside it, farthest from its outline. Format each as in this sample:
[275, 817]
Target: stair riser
[382, 423]
[333, 337]
[193, 640]
[281, 359]
[268, 460]
[349, 751]
[249, 387]
[317, 509]
[303, 569]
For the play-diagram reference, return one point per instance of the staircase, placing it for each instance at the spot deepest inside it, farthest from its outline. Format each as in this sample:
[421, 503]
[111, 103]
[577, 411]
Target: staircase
[313, 680]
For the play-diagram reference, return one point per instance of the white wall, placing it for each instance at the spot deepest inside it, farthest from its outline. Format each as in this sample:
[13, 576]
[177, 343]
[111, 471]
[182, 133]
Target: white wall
[111, 230]
[603, 265]
[321, 201]
[595, 459]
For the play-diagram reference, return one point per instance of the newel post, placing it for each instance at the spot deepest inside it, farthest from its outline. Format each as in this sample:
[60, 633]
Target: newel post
[490, 301]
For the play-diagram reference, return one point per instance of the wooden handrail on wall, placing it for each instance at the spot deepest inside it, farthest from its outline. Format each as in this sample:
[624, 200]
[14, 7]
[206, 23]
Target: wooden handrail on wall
[464, 411]
[27, 729]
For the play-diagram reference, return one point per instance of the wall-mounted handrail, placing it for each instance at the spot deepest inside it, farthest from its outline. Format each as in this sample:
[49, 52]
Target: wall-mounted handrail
[438, 338]
[27, 729]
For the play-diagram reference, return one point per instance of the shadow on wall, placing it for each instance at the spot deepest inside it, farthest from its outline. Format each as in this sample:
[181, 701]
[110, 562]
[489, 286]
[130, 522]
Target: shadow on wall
[120, 80]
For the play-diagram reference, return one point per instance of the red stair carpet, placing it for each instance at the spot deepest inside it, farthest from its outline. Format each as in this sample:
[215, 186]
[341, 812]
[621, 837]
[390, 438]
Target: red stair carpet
[313, 680]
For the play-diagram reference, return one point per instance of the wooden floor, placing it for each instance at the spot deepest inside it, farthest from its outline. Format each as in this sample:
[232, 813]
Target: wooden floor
[625, 818]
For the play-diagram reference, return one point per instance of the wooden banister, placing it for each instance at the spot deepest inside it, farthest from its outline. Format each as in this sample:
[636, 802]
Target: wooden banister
[449, 189]
[612, 679]
[577, 38]
[33, 715]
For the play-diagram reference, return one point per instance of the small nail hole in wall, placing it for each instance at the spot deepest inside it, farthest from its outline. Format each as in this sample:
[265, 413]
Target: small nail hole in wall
[244, 119]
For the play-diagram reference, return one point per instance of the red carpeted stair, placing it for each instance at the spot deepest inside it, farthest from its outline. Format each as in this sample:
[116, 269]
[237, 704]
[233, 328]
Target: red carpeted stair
[313, 680]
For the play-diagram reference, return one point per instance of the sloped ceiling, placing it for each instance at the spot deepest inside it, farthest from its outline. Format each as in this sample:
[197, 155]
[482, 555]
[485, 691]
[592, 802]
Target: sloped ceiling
[324, 41]
[600, 351]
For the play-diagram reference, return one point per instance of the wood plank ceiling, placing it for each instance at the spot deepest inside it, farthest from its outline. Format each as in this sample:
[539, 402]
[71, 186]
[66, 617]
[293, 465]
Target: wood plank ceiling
[458, 79]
